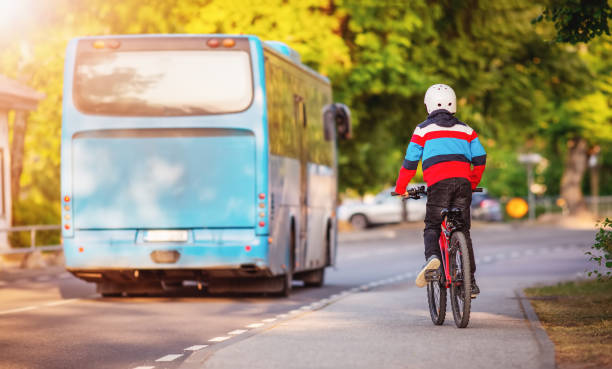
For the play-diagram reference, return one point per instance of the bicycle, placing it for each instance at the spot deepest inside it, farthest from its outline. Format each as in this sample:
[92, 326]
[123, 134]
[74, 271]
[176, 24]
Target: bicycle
[454, 272]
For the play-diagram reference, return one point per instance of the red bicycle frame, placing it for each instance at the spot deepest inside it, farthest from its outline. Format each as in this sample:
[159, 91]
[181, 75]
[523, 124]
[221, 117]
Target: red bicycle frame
[444, 240]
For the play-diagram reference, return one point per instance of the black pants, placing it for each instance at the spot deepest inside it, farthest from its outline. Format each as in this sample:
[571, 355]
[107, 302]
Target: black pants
[448, 193]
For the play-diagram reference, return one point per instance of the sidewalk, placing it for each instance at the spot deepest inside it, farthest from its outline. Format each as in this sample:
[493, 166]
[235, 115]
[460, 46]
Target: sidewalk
[389, 327]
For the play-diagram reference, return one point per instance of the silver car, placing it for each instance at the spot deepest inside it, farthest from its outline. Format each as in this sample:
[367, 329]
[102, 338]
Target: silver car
[382, 209]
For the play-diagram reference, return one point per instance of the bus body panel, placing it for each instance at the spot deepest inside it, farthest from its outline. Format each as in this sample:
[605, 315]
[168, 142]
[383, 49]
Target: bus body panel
[300, 155]
[141, 181]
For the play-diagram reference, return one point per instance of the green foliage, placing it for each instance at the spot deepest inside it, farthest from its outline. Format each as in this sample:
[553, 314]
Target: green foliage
[602, 250]
[517, 90]
[577, 20]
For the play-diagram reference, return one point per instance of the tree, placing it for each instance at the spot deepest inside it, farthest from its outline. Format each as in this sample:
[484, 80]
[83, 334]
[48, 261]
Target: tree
[577, 20]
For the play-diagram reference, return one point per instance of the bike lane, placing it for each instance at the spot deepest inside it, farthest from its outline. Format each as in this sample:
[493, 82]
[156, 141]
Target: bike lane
[386, 324]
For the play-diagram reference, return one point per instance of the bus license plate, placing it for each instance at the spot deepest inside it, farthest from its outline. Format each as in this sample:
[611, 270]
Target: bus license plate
[166, 236]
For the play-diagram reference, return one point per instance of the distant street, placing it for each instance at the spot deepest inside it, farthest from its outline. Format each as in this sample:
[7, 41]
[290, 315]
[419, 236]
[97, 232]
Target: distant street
[48, 319]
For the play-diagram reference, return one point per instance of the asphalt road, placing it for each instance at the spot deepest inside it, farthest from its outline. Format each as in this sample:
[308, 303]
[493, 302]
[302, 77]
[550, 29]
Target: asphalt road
[49, 319]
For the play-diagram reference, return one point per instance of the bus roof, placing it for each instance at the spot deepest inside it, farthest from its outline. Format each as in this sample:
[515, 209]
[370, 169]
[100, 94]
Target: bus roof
[278, 48]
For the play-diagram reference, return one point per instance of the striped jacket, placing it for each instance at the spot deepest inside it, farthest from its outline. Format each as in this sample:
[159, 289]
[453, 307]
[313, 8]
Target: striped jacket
[448, 148]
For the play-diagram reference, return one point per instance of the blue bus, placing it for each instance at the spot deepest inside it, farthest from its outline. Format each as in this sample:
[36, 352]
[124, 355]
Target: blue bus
[208, 159]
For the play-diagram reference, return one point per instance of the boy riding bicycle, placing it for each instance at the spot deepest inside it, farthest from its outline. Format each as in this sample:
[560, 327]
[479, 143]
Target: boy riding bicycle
[449, 148]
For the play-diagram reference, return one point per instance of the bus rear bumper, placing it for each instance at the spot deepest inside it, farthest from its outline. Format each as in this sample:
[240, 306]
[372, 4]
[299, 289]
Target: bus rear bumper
[90, 260]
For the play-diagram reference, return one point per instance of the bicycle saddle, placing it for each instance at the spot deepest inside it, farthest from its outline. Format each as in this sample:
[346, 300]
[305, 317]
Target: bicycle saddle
[453, 211]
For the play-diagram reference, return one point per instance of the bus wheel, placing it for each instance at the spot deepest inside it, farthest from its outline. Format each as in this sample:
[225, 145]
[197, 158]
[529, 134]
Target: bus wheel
[288, 276]
[107, 289]
[315, 278]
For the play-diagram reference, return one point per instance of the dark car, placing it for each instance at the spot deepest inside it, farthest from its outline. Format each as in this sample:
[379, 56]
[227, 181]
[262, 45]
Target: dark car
[485, 207]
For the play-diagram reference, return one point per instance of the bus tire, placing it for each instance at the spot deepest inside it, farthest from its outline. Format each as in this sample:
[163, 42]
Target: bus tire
[288, 276]
[107, 289]
[314, 278]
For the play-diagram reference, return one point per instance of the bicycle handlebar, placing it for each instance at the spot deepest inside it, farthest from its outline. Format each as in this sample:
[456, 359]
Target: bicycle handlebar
[416, 192]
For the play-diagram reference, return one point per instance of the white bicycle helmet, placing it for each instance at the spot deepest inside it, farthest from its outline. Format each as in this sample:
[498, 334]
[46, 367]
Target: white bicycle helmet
[440, 96]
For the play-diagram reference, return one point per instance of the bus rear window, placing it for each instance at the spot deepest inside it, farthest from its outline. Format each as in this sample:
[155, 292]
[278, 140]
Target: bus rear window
[163, 83]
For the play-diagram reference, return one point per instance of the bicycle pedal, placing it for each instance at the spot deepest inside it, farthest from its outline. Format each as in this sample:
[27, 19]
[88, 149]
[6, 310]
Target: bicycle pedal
[432, 275]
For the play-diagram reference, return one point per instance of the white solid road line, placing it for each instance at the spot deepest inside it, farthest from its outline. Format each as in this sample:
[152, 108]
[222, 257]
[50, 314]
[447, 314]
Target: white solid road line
[196, 347]
[219, 339]
[19, 310]
[170, 357]
[48, 304]
[60, 302]
[144, 367]
[237, 332]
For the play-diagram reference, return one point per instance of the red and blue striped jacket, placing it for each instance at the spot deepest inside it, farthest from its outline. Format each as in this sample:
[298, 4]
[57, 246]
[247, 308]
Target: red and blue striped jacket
[448, 147]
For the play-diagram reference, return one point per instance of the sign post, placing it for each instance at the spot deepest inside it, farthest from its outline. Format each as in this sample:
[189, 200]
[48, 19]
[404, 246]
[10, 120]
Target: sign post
[531, 160]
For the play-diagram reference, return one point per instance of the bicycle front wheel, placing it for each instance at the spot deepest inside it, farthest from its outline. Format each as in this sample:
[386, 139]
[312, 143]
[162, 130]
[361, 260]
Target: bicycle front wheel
[461, 286]
[436, 298]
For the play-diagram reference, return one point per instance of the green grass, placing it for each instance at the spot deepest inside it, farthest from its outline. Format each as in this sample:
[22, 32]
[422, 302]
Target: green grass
[578, 318]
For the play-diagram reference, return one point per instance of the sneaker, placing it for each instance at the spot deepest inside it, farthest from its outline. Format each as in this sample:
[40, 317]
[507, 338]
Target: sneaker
[475, 289]
[432, 263]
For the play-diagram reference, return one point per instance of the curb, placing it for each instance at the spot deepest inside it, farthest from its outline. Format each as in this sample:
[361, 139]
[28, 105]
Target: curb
[545, 345]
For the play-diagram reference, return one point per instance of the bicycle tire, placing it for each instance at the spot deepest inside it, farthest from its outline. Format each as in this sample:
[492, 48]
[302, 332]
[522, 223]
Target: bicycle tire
[461, 287]
[436, 299]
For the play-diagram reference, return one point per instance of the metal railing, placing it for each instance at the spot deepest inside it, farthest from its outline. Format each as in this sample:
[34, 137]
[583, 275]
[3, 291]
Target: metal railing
[32, 229]
[601, 206]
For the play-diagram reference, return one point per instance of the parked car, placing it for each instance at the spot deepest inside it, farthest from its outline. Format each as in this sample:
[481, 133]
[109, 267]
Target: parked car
[382, 209]
[485, 207]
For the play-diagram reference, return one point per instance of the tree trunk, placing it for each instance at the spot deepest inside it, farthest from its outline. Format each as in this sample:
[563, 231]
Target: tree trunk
[17, 149]
[573, 172]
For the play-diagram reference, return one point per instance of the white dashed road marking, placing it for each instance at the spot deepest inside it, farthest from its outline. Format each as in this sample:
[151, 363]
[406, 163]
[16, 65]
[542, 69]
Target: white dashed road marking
[219, 339]
[237, 332]
[196, 347]
[43, 278]
[19, 310]
[144, 367]
[170, 357]
[270, 320]
[255, 325]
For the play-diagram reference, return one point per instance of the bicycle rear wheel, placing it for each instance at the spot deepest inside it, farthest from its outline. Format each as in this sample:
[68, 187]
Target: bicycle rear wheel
[461, 286]
[436, 298]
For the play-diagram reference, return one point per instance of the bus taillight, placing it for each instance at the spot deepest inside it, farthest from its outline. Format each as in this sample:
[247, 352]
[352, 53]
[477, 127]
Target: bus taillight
[262, 196]
[228, 42]
[66, 198]
[113, 44]
[99, 44]
[213, 42]
[262, 224]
